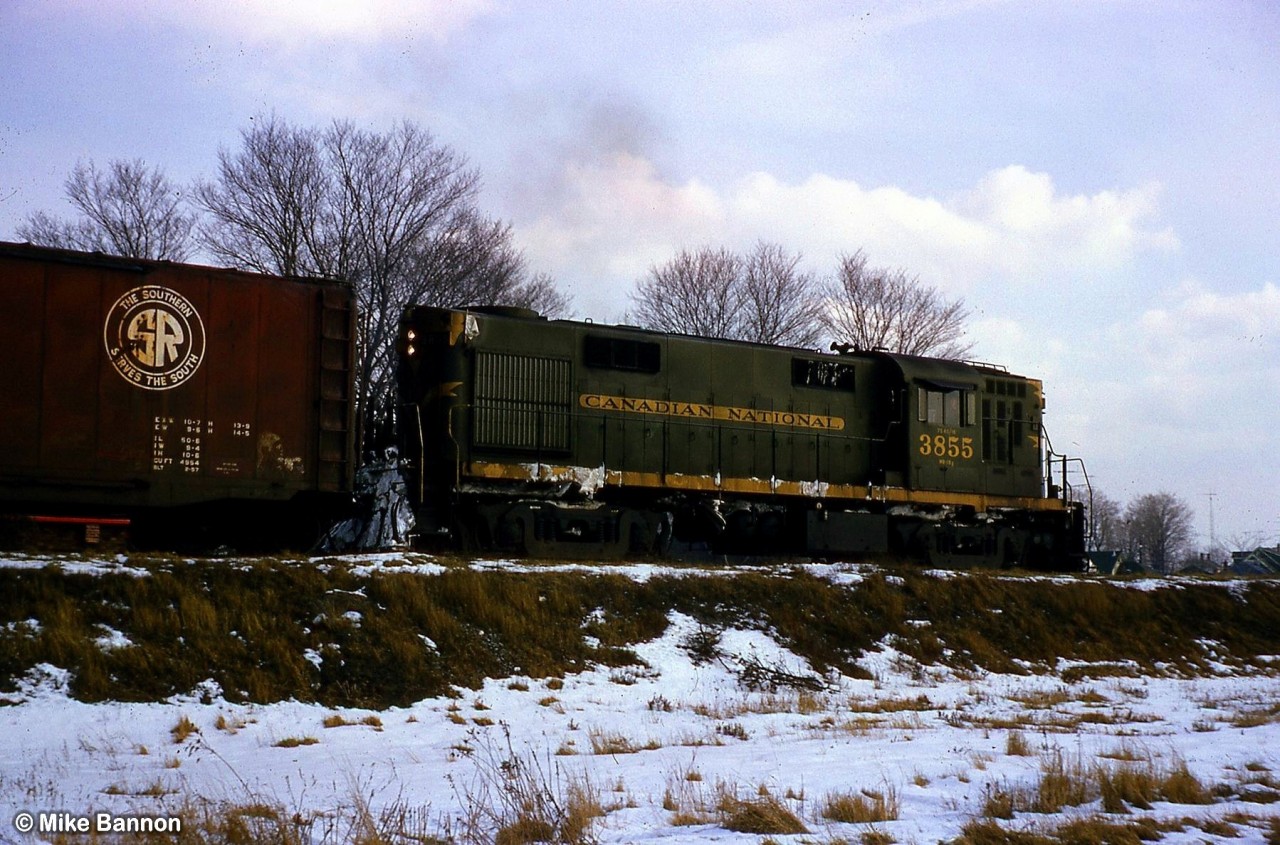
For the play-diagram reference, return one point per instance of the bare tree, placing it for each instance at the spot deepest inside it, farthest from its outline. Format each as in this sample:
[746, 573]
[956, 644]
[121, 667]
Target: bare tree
[128, 209]
[694, 293]
[879, 308]
[271, 205]
[468, 261]
[541, 294]
[1106, 524]
[392, 213]
[779, 302]
[1159, 530]
[762, 297]
[393, 192]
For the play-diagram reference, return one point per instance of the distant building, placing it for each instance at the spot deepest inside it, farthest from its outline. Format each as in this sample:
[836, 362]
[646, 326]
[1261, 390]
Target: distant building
[1110, 562]
[1260, 561]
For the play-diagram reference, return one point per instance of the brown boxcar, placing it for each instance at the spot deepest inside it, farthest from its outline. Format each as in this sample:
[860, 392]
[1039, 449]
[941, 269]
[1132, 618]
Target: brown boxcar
[157, 390]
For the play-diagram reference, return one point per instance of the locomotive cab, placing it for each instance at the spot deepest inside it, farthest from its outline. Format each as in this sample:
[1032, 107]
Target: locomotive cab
[973, 467]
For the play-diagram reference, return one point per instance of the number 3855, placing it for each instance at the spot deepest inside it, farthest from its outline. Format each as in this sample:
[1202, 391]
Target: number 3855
[946, 446]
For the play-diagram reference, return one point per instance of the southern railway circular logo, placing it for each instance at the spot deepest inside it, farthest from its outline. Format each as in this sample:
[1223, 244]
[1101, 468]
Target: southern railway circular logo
[154, 337]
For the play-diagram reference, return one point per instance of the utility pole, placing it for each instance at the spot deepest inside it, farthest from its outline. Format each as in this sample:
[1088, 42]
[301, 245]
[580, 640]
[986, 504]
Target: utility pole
[1213, 534]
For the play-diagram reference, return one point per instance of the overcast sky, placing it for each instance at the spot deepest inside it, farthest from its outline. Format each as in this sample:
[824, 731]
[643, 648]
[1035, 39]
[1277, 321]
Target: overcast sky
[1099, 180]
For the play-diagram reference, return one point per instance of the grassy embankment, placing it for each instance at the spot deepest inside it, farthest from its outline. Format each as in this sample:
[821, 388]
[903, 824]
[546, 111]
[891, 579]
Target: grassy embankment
[391, 638]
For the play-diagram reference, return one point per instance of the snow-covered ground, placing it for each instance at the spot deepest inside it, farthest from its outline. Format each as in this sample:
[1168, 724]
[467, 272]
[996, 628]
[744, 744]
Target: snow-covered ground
[676, 737]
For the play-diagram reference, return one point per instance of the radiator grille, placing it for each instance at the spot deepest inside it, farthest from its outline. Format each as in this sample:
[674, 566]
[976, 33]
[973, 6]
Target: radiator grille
[522, 402]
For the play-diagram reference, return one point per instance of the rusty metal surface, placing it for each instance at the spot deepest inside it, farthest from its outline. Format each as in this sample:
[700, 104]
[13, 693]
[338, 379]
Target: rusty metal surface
[132, 383]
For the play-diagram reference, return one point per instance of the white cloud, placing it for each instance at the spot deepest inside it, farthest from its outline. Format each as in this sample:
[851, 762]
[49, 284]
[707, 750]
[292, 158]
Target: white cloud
[825, 216]
[1206, 354]
[1184, 389]
[1013, 341]
[1251, 317]
[1029, 221]
[619, 215]
[300, 21]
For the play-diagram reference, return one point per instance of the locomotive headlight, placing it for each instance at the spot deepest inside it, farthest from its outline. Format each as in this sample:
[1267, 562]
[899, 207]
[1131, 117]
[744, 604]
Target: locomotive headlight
[411, 335]
[409, 350]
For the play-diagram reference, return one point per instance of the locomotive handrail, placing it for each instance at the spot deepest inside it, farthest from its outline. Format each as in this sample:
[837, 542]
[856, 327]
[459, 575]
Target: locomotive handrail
[985, 365]
[422, 450]
[1068, 490]
[457, 447]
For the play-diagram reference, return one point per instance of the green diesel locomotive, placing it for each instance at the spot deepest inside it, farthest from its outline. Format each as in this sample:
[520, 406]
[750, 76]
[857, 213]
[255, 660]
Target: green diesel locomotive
[575, 439]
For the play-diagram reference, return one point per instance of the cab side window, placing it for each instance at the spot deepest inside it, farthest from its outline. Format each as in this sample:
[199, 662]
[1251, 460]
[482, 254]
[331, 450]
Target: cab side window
[951, 407]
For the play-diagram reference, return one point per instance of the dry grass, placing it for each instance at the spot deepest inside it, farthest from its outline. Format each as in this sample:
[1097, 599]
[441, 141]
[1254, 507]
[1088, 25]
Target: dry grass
[254, 821]
[891, 705]
[1016, 745]
[1257, 785]
[154, 789]
[1042, 699]
[1127, 751]
[1048, 721]
[764, 814]
[803, 702]
[864, 807]
[685, 818]
[183, 730]
[690, 801]
[610, 742]
[525, 830]
[1100, 830]
[1256, 717]
[1062, 784]
[516, 798]
[1073, 783]
[1180, 786]
[1091, 697]
[1087, 831]
[231, 726]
